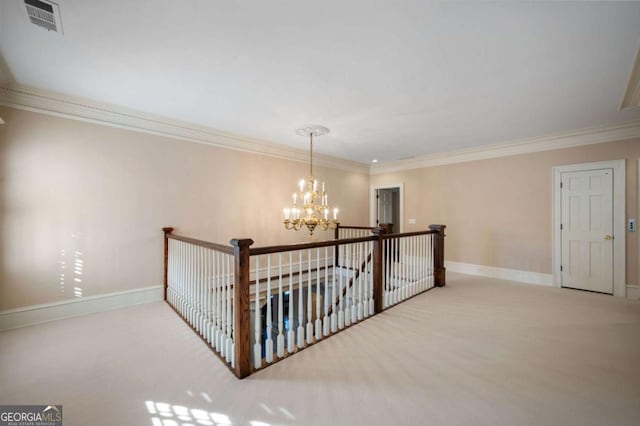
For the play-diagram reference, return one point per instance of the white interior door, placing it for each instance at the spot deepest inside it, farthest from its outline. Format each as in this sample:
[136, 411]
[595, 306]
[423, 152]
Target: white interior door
[587, 230]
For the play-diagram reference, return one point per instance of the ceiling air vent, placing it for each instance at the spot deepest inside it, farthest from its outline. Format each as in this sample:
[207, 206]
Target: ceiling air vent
[45, 14]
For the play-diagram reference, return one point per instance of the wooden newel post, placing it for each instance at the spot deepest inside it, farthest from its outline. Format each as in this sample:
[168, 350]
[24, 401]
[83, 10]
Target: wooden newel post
[438, 255]
[241, 307]
[166, 231]
[378, 294]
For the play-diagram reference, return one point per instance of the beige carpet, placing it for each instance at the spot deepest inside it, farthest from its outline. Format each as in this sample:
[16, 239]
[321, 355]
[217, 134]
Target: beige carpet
[477, 352]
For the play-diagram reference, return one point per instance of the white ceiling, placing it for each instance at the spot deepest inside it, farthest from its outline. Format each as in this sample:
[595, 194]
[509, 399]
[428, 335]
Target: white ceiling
[390, 79]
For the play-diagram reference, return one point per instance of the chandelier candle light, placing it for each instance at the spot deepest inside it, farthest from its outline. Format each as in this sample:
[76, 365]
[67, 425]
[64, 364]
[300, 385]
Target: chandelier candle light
[305, 211]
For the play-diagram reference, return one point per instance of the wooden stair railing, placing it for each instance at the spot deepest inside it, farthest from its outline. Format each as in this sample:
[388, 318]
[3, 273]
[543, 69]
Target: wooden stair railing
[213, 287]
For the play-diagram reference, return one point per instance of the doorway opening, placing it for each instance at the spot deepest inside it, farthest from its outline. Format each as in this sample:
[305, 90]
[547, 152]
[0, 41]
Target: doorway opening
[386, 206]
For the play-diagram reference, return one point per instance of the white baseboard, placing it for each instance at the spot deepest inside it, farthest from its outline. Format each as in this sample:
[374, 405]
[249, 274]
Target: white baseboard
[527, 277]
[36, 314]
[633, 292]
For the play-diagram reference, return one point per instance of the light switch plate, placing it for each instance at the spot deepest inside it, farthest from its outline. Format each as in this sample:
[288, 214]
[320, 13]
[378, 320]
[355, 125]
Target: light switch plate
[412, 221]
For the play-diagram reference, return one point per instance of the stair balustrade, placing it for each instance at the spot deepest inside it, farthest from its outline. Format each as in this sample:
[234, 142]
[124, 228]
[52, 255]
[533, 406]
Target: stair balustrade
[254, 306]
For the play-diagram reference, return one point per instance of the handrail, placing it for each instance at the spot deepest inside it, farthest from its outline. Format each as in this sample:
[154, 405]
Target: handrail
[302, 246]
[201, 243]
[408, 234]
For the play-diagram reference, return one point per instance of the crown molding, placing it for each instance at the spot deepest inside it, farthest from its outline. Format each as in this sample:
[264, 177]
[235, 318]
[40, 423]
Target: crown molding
[631, 98]
[51, 103]
[38, 100]
[525, 146]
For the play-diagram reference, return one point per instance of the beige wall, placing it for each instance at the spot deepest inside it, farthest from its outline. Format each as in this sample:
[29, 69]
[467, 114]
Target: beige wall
[498, 212]
[73, 190]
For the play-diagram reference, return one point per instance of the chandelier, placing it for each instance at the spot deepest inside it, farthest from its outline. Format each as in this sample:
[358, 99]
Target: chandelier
[310, 207]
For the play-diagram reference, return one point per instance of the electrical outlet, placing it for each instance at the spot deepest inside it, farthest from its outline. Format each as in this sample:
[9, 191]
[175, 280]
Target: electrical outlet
[632, 225]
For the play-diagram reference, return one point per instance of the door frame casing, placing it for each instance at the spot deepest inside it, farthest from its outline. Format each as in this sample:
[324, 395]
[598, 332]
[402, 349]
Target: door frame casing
[373, 203]
[619, 214]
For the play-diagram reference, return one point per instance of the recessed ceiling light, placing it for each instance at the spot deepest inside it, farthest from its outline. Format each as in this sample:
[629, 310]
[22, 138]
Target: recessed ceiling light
[374, 160]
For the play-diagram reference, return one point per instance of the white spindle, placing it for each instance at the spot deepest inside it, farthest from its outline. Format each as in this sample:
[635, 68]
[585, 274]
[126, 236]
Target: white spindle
[269, 342]
[340, 301]
[290, 332]
[185, 287]
[361, 273]
[214, 300]
[318, 324]
[405, 269]
[334, 317]
[347, 297]
[171, 272]
[390, 273]
[190, 284]
[388, 266]
[183, 280]
[203, 293]
[418, 263]
[423, 260]
[300, 336]
[280, 342]
[431, 257]
[229, 275]
[325, 320]
[400, 277]
[218, 308]
[370, 279]
[206, 326]
[412, 265]
[198, 288]
[194, 287]
[396, 267]
[223, 314]
[309, 300]
[200, 261]
[353, 308]
[365, 281]
[426, 261]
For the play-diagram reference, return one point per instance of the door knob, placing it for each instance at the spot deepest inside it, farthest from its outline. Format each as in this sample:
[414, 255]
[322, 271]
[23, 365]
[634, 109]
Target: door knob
[608, 237]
